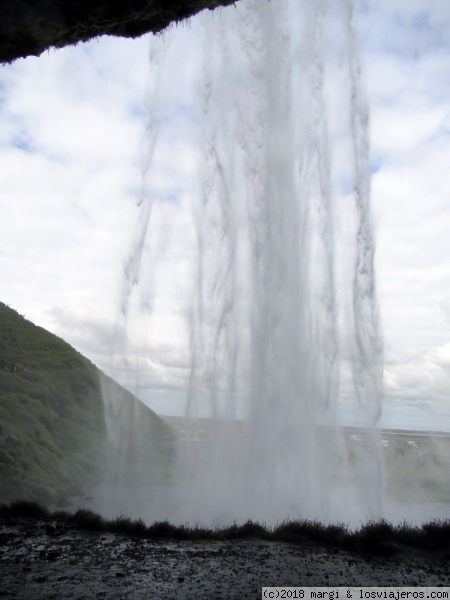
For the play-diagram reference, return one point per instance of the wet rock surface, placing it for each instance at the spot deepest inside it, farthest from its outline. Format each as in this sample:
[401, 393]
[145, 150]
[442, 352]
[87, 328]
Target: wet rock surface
[28, 28]
[49, 560]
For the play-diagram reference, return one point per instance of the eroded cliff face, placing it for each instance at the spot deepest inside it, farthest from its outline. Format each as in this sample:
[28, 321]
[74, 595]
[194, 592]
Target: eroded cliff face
[29, 27]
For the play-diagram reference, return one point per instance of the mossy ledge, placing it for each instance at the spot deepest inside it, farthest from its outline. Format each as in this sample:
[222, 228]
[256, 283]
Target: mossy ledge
[29, 28]
[374, 537]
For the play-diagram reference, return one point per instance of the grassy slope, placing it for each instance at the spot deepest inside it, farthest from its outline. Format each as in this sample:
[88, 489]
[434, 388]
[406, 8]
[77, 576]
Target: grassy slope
[53, 440]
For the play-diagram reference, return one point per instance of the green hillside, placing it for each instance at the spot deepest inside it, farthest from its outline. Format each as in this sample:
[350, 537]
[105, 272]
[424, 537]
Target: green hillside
[53, 426]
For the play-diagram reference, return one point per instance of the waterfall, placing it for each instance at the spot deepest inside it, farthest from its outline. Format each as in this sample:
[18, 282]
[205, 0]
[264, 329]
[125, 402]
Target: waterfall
[265, 103]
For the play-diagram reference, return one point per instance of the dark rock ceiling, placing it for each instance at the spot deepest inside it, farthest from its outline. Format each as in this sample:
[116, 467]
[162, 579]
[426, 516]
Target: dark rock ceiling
[29, 27]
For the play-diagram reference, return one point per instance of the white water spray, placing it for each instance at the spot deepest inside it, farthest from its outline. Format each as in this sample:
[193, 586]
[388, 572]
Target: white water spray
[275, 89]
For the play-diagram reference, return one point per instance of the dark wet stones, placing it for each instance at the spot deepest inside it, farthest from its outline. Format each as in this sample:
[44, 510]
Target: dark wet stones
[36, 564]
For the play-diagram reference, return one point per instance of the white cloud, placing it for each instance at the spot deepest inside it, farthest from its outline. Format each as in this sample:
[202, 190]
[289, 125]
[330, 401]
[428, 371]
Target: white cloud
[73, 151]
[421, 381]
[68, 202]
[409, 94]
[87, 328]
[445, 306]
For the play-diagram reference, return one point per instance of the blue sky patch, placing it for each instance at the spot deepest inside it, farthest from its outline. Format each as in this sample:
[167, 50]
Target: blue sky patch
[24, 142]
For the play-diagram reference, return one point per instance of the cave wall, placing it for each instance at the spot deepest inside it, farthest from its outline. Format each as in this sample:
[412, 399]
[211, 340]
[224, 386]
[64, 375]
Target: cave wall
[29, 27]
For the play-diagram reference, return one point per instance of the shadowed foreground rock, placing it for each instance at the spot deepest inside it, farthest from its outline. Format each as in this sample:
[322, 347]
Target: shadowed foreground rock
[41, 560]
[29, 27]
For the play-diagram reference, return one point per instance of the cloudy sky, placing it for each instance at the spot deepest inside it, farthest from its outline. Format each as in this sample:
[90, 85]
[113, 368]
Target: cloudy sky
[74, 156]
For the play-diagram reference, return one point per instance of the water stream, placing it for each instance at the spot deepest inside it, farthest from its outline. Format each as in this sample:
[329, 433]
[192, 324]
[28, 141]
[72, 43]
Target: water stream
[262, 108]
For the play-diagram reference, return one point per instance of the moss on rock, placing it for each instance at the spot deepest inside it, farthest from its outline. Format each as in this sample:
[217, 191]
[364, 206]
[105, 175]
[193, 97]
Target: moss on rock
[53, 435]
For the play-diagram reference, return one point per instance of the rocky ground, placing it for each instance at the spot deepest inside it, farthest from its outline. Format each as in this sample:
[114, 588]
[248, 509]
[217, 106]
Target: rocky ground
[48, 560]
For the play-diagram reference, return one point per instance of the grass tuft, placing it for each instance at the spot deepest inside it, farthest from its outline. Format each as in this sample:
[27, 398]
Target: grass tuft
[437, 533]
[408, 534]
[250, 529]
[27, 508]
[87, 519]
[314, 531]
[373, 537]
[164, 529]
[127, 526]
